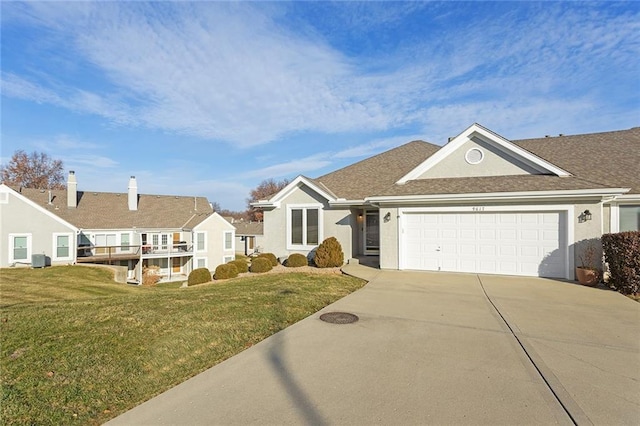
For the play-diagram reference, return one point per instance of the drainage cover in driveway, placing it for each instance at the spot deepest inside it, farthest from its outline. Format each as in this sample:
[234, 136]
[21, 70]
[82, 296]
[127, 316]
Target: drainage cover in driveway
[339, 317]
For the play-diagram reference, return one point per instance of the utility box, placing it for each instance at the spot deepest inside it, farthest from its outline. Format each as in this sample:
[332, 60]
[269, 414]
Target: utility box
[38, 261]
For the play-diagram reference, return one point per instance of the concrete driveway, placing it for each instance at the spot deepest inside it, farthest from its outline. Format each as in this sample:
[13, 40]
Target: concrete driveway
[431, 348]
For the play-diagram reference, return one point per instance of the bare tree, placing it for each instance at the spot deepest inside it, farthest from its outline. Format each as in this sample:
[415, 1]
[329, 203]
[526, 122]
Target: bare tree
[266, 189]
[36, 170]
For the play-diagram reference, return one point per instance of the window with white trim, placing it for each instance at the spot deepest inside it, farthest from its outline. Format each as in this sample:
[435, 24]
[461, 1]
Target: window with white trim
[304, 226]
[228, 240]
[62, 246]
[20, 248]
[125, 240]
[201, 241]
[201, 262]
[228, 259]
[629, 218]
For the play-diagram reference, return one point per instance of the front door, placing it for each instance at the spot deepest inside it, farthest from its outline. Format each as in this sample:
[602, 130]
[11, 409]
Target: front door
[372, 232]
[175, 265]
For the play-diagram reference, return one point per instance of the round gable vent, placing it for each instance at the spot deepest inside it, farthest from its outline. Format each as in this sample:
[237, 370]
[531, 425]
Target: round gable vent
[474, 156]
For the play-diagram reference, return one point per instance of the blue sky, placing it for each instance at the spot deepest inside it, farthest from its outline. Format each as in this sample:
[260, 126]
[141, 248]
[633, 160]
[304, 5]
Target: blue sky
[210, 98]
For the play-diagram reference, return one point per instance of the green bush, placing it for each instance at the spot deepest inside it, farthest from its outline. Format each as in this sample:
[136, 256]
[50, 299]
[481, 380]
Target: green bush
[329, 254]
[226, 271]
[260, 265]
[241, 265]
[271, 257]
[622, 254]
[296, 260]
[199, 276]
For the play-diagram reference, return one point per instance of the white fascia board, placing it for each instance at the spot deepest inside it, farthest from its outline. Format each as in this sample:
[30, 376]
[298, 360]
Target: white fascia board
[501, 196]
[5, 188]
[343, 202]
[508, 146]
[215, 216]
[628, 197]
[265, 204]
[292, 186]
[490, 137]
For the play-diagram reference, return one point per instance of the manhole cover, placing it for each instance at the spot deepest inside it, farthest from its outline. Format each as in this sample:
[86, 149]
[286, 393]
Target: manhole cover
[339, 317]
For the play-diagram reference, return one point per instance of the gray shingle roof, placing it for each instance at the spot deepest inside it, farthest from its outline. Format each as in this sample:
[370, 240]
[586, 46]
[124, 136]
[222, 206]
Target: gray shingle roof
[249, 228]
[609, 158]
[598, 160]
[107, 210]
[373, 175]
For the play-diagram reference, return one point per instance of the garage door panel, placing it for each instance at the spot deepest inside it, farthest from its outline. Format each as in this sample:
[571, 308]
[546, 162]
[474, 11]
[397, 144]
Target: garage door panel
[529, 234]
[468, 234]
[521, 243]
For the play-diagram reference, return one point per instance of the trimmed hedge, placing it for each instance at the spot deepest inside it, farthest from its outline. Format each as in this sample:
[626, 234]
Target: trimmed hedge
[296, 260]
[260, 265]
[241, 265]
[226, 271]
[329, 254]
[271, 257]
[199, 276]
[622, 254]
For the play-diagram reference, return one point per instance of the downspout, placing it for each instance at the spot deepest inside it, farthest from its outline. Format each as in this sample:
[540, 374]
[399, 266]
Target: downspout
[399, 239]
[607, 200]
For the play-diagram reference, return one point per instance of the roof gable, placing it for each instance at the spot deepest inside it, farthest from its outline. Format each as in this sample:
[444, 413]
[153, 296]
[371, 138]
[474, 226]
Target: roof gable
[5, 189]
[218, 219]
[293, 186]
[480, 152]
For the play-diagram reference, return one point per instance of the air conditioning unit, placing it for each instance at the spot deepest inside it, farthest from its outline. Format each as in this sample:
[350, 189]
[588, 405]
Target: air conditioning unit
[38, 261]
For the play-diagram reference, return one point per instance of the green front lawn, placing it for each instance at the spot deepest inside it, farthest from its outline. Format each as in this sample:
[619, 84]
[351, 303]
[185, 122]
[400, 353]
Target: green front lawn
[77, 347]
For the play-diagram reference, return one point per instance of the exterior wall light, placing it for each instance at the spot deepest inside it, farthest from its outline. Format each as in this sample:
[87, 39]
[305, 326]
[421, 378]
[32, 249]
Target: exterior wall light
[585, 216]
[387, 217]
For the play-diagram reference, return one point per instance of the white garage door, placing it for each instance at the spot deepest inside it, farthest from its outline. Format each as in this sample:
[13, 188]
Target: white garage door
[532, 243]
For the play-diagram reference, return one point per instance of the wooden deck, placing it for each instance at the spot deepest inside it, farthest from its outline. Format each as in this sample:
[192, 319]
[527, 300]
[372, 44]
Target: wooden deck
[107, 258]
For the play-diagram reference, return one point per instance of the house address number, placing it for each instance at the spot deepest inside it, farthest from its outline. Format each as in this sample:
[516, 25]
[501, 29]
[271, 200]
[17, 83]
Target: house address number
[477, 208]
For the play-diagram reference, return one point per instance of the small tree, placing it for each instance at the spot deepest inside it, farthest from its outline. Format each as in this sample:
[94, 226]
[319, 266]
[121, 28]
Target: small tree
[263, 191]
[36, 170]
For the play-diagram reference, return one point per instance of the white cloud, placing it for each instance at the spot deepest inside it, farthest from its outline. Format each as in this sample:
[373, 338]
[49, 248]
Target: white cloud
[88, 160]
[376, 146]
[234, 72]
[292, 167]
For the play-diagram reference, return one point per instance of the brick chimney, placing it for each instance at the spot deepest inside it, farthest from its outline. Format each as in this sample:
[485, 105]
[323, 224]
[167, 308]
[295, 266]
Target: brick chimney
[133, 194]
[72, 190]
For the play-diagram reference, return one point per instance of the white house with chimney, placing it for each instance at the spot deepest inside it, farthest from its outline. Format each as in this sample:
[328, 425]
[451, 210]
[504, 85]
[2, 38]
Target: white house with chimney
[170, 234]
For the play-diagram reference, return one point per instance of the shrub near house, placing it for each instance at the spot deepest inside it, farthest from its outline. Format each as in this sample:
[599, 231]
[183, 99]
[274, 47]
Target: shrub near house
[241, 265]
[226, 271]
[260, 265]
[329, 254]
[270, 257]
[296, 260]
[622, 254]
[199, 276]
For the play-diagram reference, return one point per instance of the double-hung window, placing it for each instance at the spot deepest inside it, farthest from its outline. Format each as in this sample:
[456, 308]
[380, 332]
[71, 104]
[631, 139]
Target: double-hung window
[304, 226]
[201, 241]
[20, 248]
[228, 240]
[62, 246]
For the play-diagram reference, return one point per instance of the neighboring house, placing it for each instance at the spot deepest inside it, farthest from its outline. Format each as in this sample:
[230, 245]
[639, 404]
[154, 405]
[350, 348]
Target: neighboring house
[174, 234]
[249, 235]
[480, 203]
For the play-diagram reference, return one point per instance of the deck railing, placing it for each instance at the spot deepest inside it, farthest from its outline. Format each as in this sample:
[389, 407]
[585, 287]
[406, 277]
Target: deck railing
[130, 251]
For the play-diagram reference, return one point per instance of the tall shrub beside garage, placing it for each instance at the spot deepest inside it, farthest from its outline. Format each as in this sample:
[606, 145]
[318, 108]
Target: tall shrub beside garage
[329, 254]
[622, 254]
